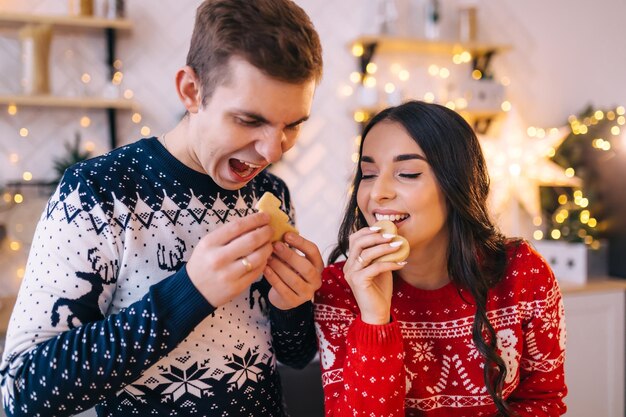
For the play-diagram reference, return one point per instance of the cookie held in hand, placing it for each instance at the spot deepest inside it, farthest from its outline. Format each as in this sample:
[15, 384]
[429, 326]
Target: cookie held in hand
[403, 251]
[279, 221]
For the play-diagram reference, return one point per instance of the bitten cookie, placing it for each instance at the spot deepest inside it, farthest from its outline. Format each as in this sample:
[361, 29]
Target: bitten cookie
[403, 251]
[279, 221]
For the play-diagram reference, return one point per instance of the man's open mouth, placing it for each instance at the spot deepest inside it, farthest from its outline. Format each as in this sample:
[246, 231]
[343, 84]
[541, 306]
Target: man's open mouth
[244, 170]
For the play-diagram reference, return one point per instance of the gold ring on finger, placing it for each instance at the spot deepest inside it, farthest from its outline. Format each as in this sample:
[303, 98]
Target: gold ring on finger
[246, 263]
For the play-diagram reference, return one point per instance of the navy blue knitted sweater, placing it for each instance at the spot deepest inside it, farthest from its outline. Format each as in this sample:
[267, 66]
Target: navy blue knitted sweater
[107, 314]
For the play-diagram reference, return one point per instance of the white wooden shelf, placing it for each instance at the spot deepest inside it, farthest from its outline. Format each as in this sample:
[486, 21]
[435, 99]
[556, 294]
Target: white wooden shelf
[110, 27]
[66, 102]
[386, 44]
[67, 21]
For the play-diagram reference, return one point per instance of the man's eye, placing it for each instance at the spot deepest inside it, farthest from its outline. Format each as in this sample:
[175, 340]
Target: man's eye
[247, 122]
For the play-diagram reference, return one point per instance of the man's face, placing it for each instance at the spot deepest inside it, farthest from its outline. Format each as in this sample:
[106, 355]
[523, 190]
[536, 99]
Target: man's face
[247, 124]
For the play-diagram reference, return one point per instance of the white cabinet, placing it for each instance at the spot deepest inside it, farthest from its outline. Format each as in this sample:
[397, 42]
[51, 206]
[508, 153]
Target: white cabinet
[595, 352]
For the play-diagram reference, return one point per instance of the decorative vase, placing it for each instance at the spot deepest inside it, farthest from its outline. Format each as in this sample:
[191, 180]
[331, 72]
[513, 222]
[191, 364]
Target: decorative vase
[35, 43]
[81, 7]
[114, 9]
[468, 24]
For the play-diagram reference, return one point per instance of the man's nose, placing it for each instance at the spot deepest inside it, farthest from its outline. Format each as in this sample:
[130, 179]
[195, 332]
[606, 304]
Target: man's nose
[270, 145]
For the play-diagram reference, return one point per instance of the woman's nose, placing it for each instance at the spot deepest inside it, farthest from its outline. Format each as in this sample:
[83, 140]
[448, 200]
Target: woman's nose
[382, 188]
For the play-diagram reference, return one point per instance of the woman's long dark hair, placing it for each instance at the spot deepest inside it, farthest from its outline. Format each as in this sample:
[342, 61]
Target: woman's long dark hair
[477, 250]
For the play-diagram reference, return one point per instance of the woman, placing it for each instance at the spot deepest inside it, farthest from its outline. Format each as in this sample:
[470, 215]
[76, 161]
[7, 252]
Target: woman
[471, 324]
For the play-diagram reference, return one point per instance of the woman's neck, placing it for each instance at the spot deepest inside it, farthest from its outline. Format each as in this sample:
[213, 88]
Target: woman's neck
[427, 268]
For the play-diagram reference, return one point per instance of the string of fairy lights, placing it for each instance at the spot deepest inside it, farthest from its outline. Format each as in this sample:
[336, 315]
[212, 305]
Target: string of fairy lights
[570, 207]
[13, 194]
[573, 220]
[576, 205]
[368, 81]
[84, 122]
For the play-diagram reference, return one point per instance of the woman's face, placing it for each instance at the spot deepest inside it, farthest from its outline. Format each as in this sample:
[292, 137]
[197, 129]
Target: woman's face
[398, 184]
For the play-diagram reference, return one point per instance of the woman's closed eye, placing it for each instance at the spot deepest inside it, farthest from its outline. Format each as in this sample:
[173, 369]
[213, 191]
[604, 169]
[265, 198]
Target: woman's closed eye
[410, 175]
[405, 175]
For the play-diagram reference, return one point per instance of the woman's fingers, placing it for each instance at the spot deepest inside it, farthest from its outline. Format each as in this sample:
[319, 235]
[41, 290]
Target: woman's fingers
[364, 239]
[372, 270]
[367, 256]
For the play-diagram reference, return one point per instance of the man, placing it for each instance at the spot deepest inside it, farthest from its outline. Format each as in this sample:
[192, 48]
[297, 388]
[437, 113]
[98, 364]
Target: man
[152, 286]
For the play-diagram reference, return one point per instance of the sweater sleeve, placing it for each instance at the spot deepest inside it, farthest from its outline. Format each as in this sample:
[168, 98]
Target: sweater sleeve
[62, 355]
[293, 332]
[542, 386]
[362, 364]
[58, 377]
[293, 335]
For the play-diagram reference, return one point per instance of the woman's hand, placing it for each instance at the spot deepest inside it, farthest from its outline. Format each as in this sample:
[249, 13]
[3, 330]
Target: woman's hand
[371, 282]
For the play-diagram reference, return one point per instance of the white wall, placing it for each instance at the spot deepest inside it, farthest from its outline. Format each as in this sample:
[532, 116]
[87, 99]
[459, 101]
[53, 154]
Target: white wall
[565, 55]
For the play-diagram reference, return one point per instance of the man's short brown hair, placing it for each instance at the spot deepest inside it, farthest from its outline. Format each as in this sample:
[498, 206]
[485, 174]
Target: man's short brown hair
[275, 36]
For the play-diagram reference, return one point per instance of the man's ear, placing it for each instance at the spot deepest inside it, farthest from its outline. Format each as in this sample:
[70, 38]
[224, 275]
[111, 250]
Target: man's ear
[188, 89]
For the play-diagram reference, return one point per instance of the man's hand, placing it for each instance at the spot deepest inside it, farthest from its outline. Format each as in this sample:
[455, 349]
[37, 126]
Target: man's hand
[294, 278]
[226, 261]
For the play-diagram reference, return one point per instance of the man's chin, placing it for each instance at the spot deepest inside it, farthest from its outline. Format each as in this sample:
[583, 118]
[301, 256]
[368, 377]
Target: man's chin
[231, 184]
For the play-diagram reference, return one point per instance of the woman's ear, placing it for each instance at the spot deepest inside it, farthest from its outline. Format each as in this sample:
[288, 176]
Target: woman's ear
[188, 89]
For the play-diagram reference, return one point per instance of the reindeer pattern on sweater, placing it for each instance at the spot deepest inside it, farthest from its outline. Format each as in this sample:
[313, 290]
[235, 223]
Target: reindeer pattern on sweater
[107, 314]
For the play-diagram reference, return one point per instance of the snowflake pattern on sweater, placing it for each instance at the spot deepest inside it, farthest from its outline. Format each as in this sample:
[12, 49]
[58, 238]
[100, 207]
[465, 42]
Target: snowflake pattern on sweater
[424, 363]
[107, 314]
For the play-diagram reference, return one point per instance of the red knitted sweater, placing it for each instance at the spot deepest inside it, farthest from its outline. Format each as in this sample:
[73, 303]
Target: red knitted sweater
[424, 362]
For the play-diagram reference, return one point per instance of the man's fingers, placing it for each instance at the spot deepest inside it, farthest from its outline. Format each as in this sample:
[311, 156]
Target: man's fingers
[288, 276]
[250, 242]
[276, 282]
[252, 263]
[308, 248]
[231, 231]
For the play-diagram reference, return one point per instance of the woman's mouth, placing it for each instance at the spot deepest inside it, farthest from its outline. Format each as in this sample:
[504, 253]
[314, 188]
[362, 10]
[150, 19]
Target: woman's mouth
[396, 218]
[243, 170]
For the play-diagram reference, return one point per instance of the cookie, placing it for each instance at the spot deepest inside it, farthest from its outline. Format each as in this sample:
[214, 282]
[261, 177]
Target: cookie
[279, 221]
[403, 251]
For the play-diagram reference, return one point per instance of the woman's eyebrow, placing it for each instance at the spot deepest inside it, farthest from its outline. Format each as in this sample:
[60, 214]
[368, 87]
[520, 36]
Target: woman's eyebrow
[399, 158]
[408, 157]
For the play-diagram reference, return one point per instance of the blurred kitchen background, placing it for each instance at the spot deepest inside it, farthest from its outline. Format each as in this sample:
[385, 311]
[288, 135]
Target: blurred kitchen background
[540, 81]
